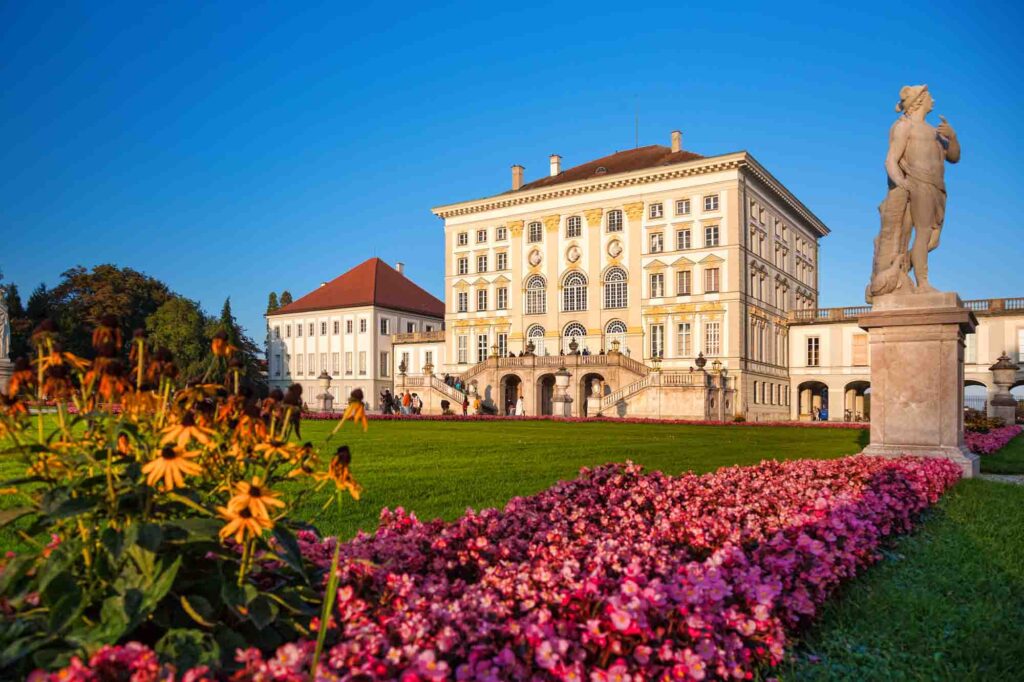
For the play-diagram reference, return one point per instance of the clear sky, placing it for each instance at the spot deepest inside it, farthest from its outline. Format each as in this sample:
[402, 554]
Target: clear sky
[231, 149]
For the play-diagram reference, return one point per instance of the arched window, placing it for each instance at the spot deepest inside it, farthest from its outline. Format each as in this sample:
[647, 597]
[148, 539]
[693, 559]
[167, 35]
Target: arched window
[615, 221]
[535, 334]
[535, 232]
[573, 226]
[536, 295]
[615, 327]
[574, 292]
[574, 331]
[615, 288]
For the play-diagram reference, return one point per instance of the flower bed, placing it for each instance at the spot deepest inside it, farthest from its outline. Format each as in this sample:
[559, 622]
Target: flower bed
[616, 574]
[327, 416]
[992, 441]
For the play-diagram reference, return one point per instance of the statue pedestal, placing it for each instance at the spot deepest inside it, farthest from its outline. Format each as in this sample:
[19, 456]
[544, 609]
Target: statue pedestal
[6, 370]
[917, 376]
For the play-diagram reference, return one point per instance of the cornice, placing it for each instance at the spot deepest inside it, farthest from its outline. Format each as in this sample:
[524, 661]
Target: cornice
[715, 164]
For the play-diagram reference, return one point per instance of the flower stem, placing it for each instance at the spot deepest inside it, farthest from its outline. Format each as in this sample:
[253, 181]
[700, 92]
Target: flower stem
[325, 613]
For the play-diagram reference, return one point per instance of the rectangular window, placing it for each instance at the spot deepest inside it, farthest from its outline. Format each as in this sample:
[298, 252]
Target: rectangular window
[463, 302]
[277, 332]
[755, 392]
[335, 364]
[502, 344]
[683, 340]
[860, 349]
[428, 357]
[682, 207]
[385, 365]
[710, 280]
[684, 283]
[656, 211]
[463, 238]
[362, 325]
[298, 329]
[615, 221]
[311, 359]
[277, 364]
[463, 264]
[298, 365]
[657, 242]
[657, 340]
[385, 326]
[348, 363]
[683, 240]
[573, 226]
[813, 351]
[462, 345]
[712, 339]
[657, 285]
[501, 233]
[428, 327]
[311, 328]
[970, 348]
[323, 362]
[481, 236]
[410, 327]
[481, 347]
[323, 329]
[711, 235]
[362, 362]
[337, 327]
[711, 202]
[502, 261]
[405, 361]
[535, 232]
[481, 299]
[481, 263]
[287, 331]
[348, 326]
[502, 298]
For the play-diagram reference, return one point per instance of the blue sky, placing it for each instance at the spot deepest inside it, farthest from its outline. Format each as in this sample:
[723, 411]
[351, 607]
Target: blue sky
[232, 149]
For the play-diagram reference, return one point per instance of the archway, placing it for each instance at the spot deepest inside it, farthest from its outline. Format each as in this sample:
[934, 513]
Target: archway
[545, 392]
[857, 401]
[586, 390]
[812, 400]
[975, 396]
[511, 389]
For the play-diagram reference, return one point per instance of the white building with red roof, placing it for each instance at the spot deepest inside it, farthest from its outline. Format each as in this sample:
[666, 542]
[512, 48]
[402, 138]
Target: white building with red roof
[344, 328]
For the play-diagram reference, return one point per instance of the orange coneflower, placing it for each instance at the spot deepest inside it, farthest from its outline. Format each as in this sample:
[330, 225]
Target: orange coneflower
[108, 375]
[161, 366]
[106, 337]
[22, 378]
[184, 431]
[242, 523]
[57, 382]
[276, 448]
[355, 411]
[339, 472]
[171, 465]
[10, 405]
[256, 497]
[221, 346]
[44, 331]
[56, 358]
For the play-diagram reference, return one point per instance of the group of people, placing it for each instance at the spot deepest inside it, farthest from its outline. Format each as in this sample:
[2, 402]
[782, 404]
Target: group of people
[405, 403]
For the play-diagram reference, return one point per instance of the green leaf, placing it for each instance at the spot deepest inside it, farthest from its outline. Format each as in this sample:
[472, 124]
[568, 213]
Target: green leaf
[72, 507]
[262, 612]
[67, 608]
[192, 504]
[199, 610]
[21, 481]
[9, 516]
[150, 537]
[290, 552]
[160, 586]
[188, 648]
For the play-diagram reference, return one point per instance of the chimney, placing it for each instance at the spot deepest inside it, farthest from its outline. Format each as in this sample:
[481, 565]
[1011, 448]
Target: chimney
[323, 284]
[556, 164]
[400, 267]
[677, 140]
[517, 176]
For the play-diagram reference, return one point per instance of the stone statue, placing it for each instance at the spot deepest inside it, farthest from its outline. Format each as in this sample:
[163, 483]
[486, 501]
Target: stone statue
[916, 202]
[5, 332]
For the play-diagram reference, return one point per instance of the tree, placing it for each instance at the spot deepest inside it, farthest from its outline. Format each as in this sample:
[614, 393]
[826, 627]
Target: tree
[83, 296]
[248, 351]
[38, 307]
[272, 303]
[181, 326]
[286, 298]
[21, 325]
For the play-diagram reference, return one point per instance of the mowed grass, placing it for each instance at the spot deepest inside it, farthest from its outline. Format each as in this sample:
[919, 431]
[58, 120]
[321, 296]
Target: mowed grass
[947, 603]
[1009, 460]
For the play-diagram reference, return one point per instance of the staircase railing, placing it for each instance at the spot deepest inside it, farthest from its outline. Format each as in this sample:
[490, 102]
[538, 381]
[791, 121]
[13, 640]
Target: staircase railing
[615, 397]
[450, 391]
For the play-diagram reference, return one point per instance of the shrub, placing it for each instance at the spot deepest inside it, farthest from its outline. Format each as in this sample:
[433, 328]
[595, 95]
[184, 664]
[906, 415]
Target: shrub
[149, 513]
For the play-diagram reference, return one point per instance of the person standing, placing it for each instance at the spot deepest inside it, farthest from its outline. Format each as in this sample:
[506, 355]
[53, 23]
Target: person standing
[465, 406]
[520, 407]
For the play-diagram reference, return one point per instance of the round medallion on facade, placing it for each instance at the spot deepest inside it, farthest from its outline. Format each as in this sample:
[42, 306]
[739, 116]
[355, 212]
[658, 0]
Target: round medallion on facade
[535, 258]
[573, 254]
[614, 248]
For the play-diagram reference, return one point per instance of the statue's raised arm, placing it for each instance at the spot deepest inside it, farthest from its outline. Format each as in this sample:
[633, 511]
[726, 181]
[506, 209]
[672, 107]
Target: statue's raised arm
[912, 212]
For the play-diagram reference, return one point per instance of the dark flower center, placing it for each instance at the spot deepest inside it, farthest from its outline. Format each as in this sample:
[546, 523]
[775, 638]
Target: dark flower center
[254, 491]
[168, 453]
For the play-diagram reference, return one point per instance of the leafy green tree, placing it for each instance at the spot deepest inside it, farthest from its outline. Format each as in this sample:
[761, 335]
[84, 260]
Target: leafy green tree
[272, 303]
[83, 297]
[286, 298]
[38, 307]
[21, 325]
[248, 351]
[181, 326]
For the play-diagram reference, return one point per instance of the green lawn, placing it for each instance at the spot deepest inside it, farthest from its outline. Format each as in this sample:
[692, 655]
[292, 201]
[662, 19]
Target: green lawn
[1009, 460]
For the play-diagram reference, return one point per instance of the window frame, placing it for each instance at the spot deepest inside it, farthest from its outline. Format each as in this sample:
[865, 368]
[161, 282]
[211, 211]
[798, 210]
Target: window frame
[614, 221]
[711, 203]
[656, 210]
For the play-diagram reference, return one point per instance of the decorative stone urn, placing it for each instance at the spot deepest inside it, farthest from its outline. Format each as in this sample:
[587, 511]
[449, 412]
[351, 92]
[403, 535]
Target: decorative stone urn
[1004, 373]
[573, 346]
[561, 402]
[616, 344]
[530, 347]
[428, 369]
[325, 397]
[402, 367]
[701, 360]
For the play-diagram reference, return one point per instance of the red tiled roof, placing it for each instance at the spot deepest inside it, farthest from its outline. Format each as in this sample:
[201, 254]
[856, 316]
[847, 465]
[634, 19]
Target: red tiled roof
[372, 282]
[650, 156]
